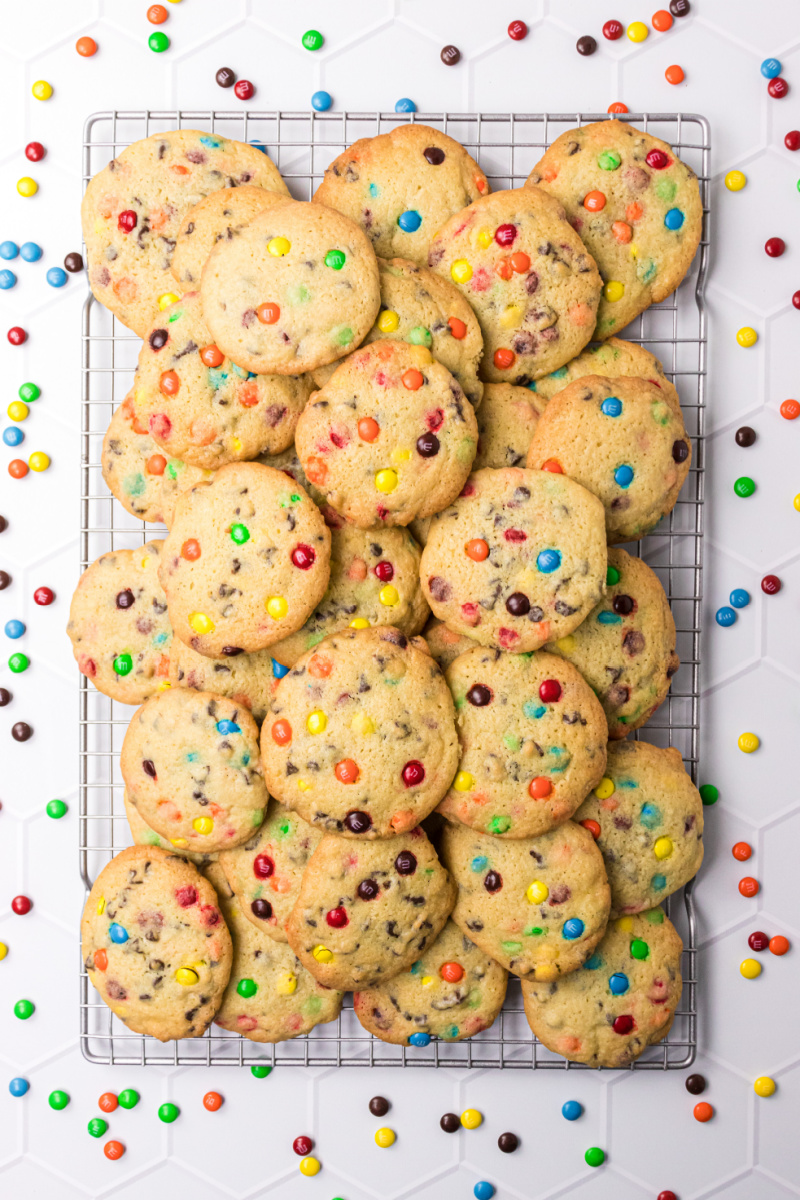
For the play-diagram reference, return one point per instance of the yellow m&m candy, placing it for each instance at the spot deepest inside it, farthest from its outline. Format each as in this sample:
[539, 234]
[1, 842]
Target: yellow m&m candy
[663, 847]
[279, 246]
[386, 481]
[203, 825]
[748, 742]
[167, 299]
[316, 722]
[277, 607]
[747, 337]
[605, 788]
[750, 968]
[463, 781]
[42, 90]
[461, 271]
[388, 321]
[186, 977]
[537, 892]
[389, 596]
[764, 1086]
[614, 290]
[735, 181]
[200, 623]
[471, 1118]
[385, 1137]
[322, 954]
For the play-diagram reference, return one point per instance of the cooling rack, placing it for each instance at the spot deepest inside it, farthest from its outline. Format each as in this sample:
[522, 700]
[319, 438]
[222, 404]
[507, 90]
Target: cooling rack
[507, 145]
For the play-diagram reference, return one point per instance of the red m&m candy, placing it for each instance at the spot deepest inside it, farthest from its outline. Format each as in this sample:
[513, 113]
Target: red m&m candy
[758, 941]
[44, 596]
[775, 247]
[517, 30]
[612, 30]
[244, 89]
[778, 88]
[17, 335]
[34, 151]
[21, 905]
[792, 140]
[771, 585]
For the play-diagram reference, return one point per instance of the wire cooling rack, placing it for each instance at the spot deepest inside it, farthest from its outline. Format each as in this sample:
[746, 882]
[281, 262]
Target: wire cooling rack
[507, 145]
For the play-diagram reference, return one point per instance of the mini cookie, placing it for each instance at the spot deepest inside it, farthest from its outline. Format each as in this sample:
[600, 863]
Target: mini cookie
[366, 913]
[444, 644]
[647, 818]
[636, 206]
[506, 424]
[265, 873]
[452, 991]
[199, 406]
[374, 581]
[538, 906]
[526, 273]
[622, 1000]
[298, 288]
[155, 945]
[246, 561]
[270, 997]
[625, 649]
[533, 742]
[247, 679]
[190, 764]
[389, 438]
[360, 739]
[625, 441]
[133, 464]
[133, 208]
[518, 560]
[118, 624]
[421, 308]
[219, 217]
[611, 358]
[402, 186]
[143, 835]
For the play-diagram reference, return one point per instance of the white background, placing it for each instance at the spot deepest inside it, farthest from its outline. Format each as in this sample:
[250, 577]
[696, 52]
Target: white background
[376, 52]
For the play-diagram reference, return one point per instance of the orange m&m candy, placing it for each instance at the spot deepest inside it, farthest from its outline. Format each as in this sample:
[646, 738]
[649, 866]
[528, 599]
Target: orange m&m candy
[790, 409]
[778, 944]
[742, 851]
[268, 313]
[412, 379]
[212, 1101]
[451, 972]
[520, 261]
[552, 464]
[281, 732]
[540, 787]
[101, 960]
[368, 429]
[504, 268]
[504, 358]
[169, 383]
[674, 74]
[157, 14]
[190, 550]
[457, 327]
[320, 667]
[156, 464]
[212, 356]
[617, 107]
[107, 1102]
[703, 1111]
[316, 470]
[661, 20]
[476, 549]
[86, 47]
[113, 1150]
[594, 201]
[748, 886]
[593, 827]
[346, 771]
[18, 468]
[622, 232]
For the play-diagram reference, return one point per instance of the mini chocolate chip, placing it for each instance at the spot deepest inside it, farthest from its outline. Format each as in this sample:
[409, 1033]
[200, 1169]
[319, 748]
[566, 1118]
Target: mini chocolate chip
[125, 599]
[5, 697]
[149, 767]
[450, 1122]
[450, 55]
[745, 436]
[357, 822]
[428, 445]
[622, 605]
[21, 732]
[368, 889]
[493, 881]
[585, 45]
[225, 77]
[158, 338]
[405, 863]
[262, 909]
[680, 451]
[379, 1106]
[434, 156]
[518, 604]
[479, 695]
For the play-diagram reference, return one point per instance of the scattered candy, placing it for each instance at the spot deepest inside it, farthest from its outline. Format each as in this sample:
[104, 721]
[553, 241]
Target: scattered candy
[774, 247]
[586, 45]
[739, 598]
[571, 1110]
[750, 969]
[29, 392]
[7, 280]
[9, 250]
[742, 851]
[24, 1009]
[450, 55]
[679, 8]
[747, 336]
[17, 335]
[778, 88]
[158, 42]
[450, 1123]
[792, 140]
[385, 1137]
[260, 1070]
[108, 1102]
[764, 1086]
[30, 252]
[674, 74]
[725, 617]
[34, 151]
[771, 584]
[483, 1190]
[313, 39]
[748, 886]
[18, 1086]
[758, 941]
[703, 1111]
[661, 20]
[790, 410]
[517, 30]
[508, 1142]
[471, 1118]
[310, 1166]
[56, 277]
[744, 486]
[594, 1157]
[212, 1101]
[56, 809]
[86, 47]
[405, 105]
[129, 1098]
[42, 90]
[19, 663]
[771, 67]
[779, 945]
[44, 596]
[168, 1113]
[302, 1146]
[14, 629]
[113, 1150]
[695, 1084]
[321, 101]
[157, 14]
[796, 299]
[97, 1127]
[244, 89]
[637, 31]
[748, 742]
[735, 181]
[613, 30]
[58, 1100]
[39, 461]
[21, 905]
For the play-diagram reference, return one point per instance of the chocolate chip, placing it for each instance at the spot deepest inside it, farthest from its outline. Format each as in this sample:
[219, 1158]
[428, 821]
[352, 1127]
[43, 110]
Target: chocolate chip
[405, 863]
[428, 445]
[21, 732]
[262, 909]
[5, 580]
[439, 588]
[518, 604]
[379, 1106]
[125, 599]
[493, 881]
[450, 55]
[434, 156]
[586, 45]
[149, 767]
[479, 695]
[368, 889]
[158, 338]
[744, 437]
[357, 822]
[508, 1142]
[225, 77]
[232, 651]
[622, 605]
[5, 697]
[450, 1122]
[73, 262]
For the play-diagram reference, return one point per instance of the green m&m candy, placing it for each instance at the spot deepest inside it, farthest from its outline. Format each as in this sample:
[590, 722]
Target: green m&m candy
[58, 1100]
[260, 1071]
[56, 809]
[313, 39]
[168, 1113]
[123, 664]
[128, 1098]
[97, 1127]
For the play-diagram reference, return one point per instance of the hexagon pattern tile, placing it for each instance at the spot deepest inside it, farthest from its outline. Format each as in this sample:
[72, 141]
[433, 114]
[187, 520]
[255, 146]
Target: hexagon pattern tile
[376, 51]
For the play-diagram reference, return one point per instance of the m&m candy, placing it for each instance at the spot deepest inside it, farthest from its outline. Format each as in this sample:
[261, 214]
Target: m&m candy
[748, 742]
[703, 1112]
[735, 181]
[771, 585]
[778, 945]
[764, 1086]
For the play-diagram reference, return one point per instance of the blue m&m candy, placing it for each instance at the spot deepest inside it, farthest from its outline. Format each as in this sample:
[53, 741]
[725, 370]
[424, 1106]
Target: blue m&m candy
[13, 436]
[674, 219]
[571, 1110]
[725, 616]
[117, 933]
[278, 669]
[18, 1086]
[573, 928]
[31, 251]
[623, 476]
[611, 406]
[7, 280]
[56, 277]
[224, 727]
[14, 629]
[739, 598]
[409, 221]
[548, 561]
[8, 250]
[771, 67]
[405, 105]
[420, 1039]
[483, 1190]
[321, 101]
[618, 983]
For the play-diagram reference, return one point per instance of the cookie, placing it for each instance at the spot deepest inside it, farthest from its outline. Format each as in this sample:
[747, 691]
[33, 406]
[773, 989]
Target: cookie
[452, 991]
[366, 913]
[246, 561]
[421, 308]
[133, 464]
[190, 764]
[625, 441]
[219, 217]
[143, 835]
[611, 358]
[118, 624]
[270, 997]
[506, 425]
[265, 872]
[527, 274]
[360, 739]
[155, 945]
[625, 649]
[201, 407]
[390, 437]
[647, 818]
[518, 560]
[538, 906]
[374, 581]
[636, 206]
[622, 1000]
[298, 288]
[178, 478]
[133, 208]
[247, 679]
[443, 644]
[532, 737]
[402, 186]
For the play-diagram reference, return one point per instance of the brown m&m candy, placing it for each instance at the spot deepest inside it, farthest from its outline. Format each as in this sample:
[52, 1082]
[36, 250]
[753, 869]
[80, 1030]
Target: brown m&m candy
[225, 77]
[696, 1084]
[5, 580]
[450, 1122]
[21, 731]
[450, 55]
[5, 697]
[745, 436]
[73, 262]
[586, 45]
[379, 1106]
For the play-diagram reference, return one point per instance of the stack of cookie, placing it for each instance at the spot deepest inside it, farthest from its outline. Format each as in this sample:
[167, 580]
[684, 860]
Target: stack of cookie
[343, 447]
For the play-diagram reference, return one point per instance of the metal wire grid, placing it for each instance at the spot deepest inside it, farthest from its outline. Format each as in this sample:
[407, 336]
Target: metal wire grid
[507, 145]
